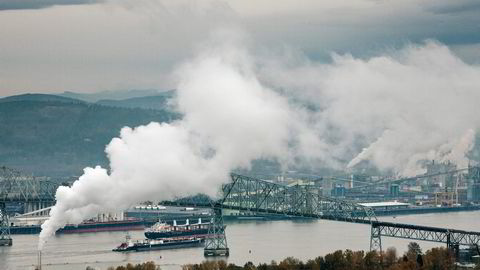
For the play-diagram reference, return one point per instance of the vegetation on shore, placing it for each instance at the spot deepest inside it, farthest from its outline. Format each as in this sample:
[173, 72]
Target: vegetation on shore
[433, 259]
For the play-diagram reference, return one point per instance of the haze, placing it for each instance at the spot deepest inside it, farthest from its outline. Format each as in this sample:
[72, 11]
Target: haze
[51, 46]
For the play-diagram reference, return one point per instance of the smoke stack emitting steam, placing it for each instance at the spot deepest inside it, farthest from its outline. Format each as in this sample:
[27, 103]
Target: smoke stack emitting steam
[420, 105]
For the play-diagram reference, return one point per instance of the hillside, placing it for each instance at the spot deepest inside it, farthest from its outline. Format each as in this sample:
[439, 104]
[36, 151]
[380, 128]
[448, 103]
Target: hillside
[156, 102]
[39, 97]
[111, 95]
[47, 136]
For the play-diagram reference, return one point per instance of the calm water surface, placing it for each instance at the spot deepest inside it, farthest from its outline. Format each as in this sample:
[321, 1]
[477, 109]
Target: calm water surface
[267, 241]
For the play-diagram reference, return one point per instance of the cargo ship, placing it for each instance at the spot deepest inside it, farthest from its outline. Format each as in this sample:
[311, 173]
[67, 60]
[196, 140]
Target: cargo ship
[87, 226]
[159, 244]
[164, 230]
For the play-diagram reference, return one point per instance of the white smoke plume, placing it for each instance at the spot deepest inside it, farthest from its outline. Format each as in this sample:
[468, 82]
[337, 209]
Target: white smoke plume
[402, 108]
[229, 120]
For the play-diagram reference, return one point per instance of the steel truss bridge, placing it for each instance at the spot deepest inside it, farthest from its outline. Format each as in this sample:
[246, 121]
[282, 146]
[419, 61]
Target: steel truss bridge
[32, 194]
[452, 237]
[254, 195]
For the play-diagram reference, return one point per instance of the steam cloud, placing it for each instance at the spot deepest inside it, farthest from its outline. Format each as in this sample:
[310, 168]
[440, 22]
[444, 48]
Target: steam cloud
[415, 104]
[394, 111]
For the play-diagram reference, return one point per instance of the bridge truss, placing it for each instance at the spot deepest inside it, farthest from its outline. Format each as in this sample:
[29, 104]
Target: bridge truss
[251, 194]
[27, 190]
[452, 237]
[254, 195]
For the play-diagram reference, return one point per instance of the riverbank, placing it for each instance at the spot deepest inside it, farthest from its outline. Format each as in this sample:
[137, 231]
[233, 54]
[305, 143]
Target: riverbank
[413, 258]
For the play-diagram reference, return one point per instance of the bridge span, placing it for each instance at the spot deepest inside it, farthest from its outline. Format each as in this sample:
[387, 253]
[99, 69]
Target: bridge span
[452, 237]
[16, 188]
[255, 195]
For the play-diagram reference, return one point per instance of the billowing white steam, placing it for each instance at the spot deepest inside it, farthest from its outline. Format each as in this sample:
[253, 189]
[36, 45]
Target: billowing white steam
[416, 104]
[420, 103]
[229, 120]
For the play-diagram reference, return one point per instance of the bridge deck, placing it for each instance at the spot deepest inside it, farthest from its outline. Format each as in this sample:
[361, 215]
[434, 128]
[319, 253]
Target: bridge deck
[426, 233]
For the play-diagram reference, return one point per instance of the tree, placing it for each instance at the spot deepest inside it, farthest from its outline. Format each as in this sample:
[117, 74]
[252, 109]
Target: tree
[312, 265]
[289, 263]
[439, 259]
[335, 261]
[249, 266]
[372, 261]
[414, 248]
[420, 260]
[390, 256]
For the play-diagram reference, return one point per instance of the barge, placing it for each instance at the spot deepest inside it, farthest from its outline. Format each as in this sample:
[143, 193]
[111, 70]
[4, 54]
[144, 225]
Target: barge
[159, 244]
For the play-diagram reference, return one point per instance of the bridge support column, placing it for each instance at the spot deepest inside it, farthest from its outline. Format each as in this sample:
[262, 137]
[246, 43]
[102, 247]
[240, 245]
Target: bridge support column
[5, 239]
[375, 239]
[216, 241]
[454, 247]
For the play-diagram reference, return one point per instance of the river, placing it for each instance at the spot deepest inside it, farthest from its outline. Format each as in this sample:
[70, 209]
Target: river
[256, 241]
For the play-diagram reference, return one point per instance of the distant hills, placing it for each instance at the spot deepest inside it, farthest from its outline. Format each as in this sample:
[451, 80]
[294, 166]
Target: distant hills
[162, 101]
[40, 98]
[58, 136]
[145, 99]
[114, 95]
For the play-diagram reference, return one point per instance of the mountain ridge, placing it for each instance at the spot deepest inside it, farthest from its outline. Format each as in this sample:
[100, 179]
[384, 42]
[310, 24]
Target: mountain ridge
[48, 136]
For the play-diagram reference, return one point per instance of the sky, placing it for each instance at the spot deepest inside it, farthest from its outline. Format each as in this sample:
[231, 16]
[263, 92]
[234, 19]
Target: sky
[51, 46]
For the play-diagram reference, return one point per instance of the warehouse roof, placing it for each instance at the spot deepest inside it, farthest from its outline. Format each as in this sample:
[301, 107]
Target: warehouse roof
[384, 204]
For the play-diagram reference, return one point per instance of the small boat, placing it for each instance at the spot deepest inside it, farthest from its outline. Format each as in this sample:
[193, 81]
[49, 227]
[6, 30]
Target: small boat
[158, 244]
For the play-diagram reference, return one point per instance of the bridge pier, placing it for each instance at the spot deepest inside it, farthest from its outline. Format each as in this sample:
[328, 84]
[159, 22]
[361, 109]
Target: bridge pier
[5, 238]
[216, 241]
[454, 247]
[375, 239]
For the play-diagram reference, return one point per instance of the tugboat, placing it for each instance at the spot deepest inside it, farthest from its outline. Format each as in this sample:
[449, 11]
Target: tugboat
[162, 230]
[149, 244]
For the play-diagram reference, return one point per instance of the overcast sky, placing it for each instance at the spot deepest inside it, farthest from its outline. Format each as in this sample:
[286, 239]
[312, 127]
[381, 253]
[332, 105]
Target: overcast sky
[50, 46]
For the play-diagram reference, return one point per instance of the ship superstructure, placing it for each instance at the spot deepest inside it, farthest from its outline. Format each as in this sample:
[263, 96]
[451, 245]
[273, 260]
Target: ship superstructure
[164, 230]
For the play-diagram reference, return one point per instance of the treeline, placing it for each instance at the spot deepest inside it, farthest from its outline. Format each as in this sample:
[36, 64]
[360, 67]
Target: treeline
[140, 266]
[414, 259]
[434, 259]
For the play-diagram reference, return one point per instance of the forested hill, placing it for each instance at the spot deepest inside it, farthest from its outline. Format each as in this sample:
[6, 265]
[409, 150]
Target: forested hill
[57, 136]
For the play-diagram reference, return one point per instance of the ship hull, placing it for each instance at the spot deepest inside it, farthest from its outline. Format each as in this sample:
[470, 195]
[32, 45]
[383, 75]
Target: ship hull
[126, 225]
[171, 234]
[163, 246]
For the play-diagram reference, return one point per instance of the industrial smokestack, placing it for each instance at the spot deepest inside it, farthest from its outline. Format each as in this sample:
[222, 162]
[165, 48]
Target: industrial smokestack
[39, 266]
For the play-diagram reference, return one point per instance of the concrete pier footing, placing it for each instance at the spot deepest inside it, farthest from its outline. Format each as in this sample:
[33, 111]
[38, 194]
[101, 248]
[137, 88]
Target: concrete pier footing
[217, 252]
[6, 242]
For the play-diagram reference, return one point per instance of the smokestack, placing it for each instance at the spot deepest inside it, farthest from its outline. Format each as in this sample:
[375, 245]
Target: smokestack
[39, 266]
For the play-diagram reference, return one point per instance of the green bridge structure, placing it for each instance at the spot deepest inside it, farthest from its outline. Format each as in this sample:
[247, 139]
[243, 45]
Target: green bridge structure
[254, 195]
[25, 190]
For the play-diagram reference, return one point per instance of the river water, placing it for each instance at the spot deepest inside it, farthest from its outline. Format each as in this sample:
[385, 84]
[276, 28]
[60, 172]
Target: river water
[256, 241]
